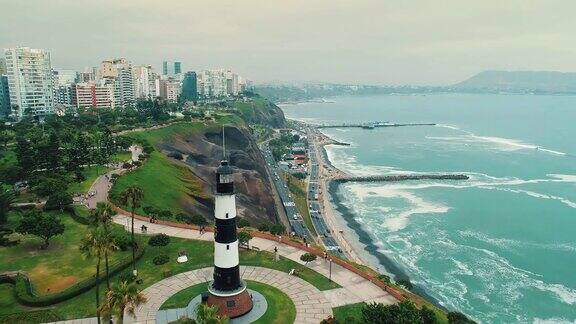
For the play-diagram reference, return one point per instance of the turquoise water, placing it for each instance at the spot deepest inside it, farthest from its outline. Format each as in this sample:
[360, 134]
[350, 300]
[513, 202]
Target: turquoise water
[500, 247]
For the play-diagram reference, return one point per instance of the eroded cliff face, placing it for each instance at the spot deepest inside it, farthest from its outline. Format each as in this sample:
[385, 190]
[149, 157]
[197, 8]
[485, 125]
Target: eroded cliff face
[202, 152]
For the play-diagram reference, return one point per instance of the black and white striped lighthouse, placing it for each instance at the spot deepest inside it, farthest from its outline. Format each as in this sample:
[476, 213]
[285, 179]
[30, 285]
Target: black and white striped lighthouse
[227, 291]
[226, 260]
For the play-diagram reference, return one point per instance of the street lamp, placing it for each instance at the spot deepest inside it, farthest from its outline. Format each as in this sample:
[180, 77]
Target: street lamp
[330, 267]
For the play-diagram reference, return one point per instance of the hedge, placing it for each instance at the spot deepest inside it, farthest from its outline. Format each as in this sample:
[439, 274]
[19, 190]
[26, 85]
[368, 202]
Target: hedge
[25, 294]
[38, 316]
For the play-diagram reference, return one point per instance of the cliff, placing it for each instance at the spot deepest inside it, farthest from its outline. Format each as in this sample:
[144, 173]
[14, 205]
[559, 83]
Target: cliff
[521, 81]
[202, 152]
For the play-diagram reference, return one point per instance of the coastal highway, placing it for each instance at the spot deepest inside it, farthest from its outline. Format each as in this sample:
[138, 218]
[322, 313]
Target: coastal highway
[296, 222]
[315, 209]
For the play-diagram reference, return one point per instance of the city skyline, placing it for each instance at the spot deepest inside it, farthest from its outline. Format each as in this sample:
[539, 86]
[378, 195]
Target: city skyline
[369, 42]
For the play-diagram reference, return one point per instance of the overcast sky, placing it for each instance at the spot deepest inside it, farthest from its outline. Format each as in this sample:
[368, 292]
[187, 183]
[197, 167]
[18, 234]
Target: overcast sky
[346, 41]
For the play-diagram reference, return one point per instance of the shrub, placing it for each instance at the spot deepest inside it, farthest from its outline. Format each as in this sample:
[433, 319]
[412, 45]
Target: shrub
[176, 155]
[263, 227]
[384, 278]
[277, 229]
[308, 257]
[459, 318]
[159, 240]
[137, 163]
[405, 283]
[160, 259]
[243, 223]
[126, 165]
[123, 240]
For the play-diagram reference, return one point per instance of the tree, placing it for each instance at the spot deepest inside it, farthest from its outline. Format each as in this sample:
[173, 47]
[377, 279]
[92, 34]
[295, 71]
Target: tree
[404, 312]
[102, 215]
[132, 196]
[459, 318]
[428, 316]
[244, 238]
[206, 314]
[58, 200]
[92, 247]
[308, 257]
[123, 297]
[44, 186]
[37, 223]
[6, 199]
[5, 137]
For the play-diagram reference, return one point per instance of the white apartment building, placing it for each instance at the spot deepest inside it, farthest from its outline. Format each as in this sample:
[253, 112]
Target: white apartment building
[219, 83]
[30, 81]
[93, 95]
[118, 72]
[146, 82]
[170, 89]
[212, 83]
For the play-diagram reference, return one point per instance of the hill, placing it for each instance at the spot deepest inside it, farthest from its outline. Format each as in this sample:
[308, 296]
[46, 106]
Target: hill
[521, 81]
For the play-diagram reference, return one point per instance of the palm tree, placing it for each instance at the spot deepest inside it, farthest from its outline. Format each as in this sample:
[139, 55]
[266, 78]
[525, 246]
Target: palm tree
[132, 196]
[102, 215]
[206, 314]
[91, 246]
[122, 297]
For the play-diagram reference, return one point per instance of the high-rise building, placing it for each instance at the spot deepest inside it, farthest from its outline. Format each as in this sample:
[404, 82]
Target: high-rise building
[30, 81]
[145, 80]
[118, 72]
[170, 89]
[63, 86]
[189, 87]
[93, 95]
[2, 66]
[212, 83]
[171, 68]
[4, 97]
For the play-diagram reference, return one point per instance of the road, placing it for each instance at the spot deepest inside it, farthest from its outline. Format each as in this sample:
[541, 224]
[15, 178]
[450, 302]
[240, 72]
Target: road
[298, 226]
[315, 208]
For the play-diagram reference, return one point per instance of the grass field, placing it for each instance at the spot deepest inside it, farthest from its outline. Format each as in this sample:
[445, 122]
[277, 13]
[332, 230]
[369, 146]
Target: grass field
[166, 184]
[280, 309]
[200, 255]
[53, 269]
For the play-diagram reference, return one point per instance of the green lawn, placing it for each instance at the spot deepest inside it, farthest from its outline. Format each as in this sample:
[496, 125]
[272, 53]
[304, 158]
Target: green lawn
[122, 156]
[200, 255]
[155, 136]
[280, 309]
[343, 314]
[90, 175]
[56, 268]
[182, 298]
[167, 185]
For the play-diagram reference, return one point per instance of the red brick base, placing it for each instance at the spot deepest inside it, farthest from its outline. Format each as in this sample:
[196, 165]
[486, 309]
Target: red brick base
[232, 306]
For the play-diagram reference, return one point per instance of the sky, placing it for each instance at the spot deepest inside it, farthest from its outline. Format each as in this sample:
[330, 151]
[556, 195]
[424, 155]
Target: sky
[436, 42]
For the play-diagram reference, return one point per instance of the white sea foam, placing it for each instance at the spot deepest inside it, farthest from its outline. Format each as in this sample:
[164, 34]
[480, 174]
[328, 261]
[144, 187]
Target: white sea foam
[509, 244]
[553, 320]
[397, 221]
[501, 143]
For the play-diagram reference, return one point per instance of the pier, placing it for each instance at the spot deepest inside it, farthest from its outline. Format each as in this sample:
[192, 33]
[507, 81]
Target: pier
[400, 177]
[372, 125]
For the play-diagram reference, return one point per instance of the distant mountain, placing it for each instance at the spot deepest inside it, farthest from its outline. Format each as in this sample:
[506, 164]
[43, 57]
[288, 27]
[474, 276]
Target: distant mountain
[520, 81]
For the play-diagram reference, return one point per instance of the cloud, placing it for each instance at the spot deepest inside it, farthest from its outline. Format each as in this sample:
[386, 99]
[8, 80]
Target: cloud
[361, 41]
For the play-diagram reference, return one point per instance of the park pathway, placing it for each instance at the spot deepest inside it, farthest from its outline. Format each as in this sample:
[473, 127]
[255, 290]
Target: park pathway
[354, 289]
[311, 305]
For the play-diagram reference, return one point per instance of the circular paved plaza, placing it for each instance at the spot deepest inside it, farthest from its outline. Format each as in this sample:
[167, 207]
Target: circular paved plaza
[311, 304]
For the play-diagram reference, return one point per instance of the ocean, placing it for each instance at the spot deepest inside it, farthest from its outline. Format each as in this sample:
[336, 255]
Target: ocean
[499, 247]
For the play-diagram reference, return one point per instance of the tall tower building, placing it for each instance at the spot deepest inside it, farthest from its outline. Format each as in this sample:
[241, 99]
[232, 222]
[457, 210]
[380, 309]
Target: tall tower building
[170, 68]
[30, 81]
[227, 291]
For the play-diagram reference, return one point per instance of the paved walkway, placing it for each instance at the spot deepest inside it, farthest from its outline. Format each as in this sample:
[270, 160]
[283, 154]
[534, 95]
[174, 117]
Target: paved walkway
[311, 305]
[354, 287]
